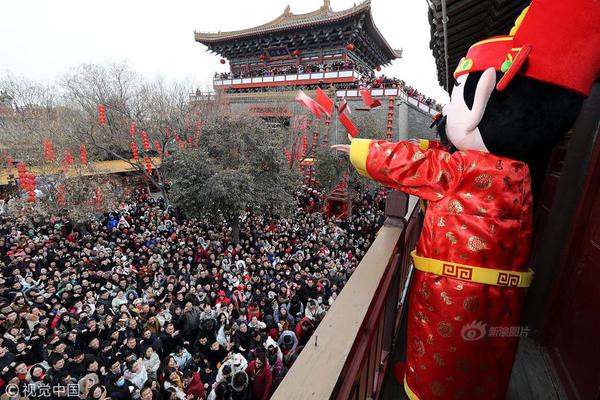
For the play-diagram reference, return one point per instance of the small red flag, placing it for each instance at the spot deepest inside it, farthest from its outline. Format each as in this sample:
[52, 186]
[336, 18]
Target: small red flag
[325, 102]
[349, 125]
[368, 99]
[309, 103]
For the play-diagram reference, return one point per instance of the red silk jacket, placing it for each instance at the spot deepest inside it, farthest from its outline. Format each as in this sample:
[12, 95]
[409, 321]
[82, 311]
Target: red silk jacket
[461, 335]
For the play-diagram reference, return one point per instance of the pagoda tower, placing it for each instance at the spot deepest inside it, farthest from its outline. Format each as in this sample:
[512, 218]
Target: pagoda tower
[337, 51]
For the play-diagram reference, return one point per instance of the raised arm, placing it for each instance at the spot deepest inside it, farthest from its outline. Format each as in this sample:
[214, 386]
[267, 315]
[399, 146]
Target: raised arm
[429, 174]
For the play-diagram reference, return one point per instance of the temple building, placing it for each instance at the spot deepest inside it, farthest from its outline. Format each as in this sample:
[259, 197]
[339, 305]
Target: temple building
[338, 51]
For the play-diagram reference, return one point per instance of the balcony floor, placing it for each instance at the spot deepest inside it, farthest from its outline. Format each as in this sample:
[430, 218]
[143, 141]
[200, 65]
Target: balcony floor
[532, 377]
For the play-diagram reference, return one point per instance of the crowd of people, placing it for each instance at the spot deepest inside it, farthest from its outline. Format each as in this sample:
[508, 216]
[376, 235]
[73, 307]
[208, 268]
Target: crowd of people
[287, 69]
[144, 303]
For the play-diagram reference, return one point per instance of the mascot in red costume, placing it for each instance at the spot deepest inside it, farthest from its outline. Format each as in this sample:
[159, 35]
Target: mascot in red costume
[514, 98]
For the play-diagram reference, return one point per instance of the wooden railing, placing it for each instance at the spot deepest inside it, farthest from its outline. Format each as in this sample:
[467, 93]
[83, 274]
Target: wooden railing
[347, 356]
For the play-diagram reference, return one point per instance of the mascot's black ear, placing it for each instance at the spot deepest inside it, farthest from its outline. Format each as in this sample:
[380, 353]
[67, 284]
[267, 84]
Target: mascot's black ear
[527, 119]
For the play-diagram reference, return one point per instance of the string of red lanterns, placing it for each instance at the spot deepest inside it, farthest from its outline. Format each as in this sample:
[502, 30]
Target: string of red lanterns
[9, 165]
[157, 147]
[325, 141]
[148, 165]
[48, 150]
[390, 119]
[101, 114]
[132, 130]
[98, 198]
[60, 195]
[145, 141]
[67, 160]
[83, 154]
[30, 183]
[134, 151]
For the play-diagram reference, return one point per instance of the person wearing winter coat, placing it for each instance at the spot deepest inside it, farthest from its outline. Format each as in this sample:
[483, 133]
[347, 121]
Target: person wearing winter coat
[151, 362]
[194, 386]
[313, 310]
[235, 363]
[191, 321]
[282, 314]
[136, 373]
[259, 372]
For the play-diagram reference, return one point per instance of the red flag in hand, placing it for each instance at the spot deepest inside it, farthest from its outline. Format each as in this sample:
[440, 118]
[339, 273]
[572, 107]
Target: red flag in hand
[309, 103]
[325, 102]
[349, 125]
[368, 99]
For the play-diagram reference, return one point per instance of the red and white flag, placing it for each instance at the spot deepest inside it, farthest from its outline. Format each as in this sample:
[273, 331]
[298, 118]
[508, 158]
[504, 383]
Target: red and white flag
[309, 103]
[344, 106]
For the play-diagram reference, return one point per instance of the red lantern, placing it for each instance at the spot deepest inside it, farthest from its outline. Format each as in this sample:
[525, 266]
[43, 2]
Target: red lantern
[101, 114]
[60, 195]
[31, 188]
[157, 147]
[145, 141]
[83, 154]
[296, 53]
[166, 153]
[9, 165]
[148, 165]
[134, 151]
[261, 57]
[222, 61]
[132, 129]
[378, 68]
[48, 150]
[67, 160]
[350, 47]
[189, 140]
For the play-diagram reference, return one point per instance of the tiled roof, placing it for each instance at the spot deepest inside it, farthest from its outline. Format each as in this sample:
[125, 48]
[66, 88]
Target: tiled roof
[288, 20]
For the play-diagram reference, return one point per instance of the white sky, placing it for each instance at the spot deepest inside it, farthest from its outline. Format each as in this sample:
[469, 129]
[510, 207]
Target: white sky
[40, 39]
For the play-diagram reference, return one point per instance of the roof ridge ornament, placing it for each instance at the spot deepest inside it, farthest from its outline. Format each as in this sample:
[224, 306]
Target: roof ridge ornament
[288, 11]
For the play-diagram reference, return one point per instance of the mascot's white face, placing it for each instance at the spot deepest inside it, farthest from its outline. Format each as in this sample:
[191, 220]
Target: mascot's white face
[461, 122]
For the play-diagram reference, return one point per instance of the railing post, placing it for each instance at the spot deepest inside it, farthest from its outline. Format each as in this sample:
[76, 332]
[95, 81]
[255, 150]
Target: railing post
[396, 207]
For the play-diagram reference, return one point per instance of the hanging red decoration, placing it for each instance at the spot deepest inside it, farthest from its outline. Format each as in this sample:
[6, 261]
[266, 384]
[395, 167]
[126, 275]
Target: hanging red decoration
[98, 198]
[157, 147]
[261, 57]
[9, 165]
[222, 61]
[134, 151]
[189, 140]
[22, 173]
[83, 154]
[145, 141]
[67, 160]
[167, 153]
[31, 188]
[132, 129]
[101, 114]
[350, 47]
[48, 150]
[304, 145]
[390, 119]
[60, 195]
[148, 165]
[296, 53]
[378, 68]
